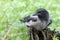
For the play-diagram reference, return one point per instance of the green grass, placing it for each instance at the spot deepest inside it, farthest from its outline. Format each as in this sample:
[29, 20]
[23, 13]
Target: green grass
[13, 10]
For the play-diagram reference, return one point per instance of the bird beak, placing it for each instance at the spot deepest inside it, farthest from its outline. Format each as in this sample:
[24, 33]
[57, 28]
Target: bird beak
[22, 20]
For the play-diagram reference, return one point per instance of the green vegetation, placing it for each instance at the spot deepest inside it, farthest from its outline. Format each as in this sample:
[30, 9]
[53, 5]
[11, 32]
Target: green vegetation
[13, 10]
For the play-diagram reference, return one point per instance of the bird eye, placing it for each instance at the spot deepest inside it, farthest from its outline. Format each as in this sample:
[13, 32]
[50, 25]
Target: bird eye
[38, 12]
[34, 20]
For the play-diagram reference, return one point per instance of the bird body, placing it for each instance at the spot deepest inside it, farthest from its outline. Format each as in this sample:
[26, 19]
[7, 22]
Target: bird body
[38, 20]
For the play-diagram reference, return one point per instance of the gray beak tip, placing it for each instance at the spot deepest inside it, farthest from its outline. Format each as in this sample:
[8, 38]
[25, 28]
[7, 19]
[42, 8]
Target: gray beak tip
[22, 20]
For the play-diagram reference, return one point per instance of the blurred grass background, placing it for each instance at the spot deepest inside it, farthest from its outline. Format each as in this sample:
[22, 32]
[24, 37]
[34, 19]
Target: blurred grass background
[13, 10]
